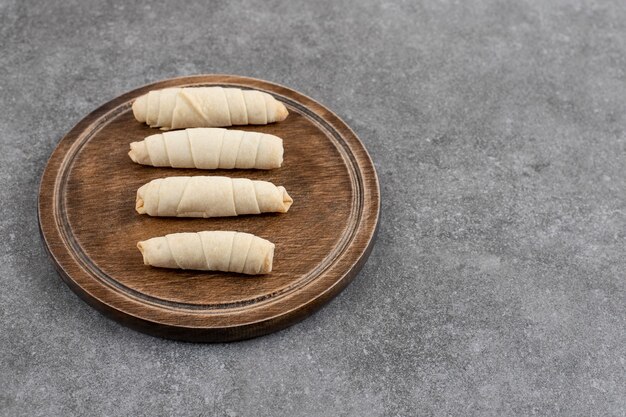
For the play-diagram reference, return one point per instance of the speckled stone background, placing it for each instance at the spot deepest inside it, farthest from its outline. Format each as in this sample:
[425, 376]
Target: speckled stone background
[497, 286]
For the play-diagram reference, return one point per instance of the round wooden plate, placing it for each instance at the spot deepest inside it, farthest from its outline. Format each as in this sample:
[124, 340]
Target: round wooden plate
[89, 224]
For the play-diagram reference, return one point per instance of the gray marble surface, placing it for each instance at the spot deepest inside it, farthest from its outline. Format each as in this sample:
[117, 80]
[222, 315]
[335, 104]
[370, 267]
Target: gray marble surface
[497, 286]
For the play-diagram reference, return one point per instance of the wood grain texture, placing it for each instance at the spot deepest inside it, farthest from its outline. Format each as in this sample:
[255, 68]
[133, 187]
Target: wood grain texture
[90, 227]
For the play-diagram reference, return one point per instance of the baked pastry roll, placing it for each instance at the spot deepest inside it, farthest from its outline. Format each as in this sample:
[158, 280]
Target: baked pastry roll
[210, 197]
[210, 251]
[176, 108]
[209, 148]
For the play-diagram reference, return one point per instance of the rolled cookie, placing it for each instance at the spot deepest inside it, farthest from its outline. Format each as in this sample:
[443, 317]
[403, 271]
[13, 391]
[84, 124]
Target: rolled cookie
[209, 148]
[176, 108]
[210, 197]
[209, 251]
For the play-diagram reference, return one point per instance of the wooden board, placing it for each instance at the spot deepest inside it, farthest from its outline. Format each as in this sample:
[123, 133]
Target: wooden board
[90, 227]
